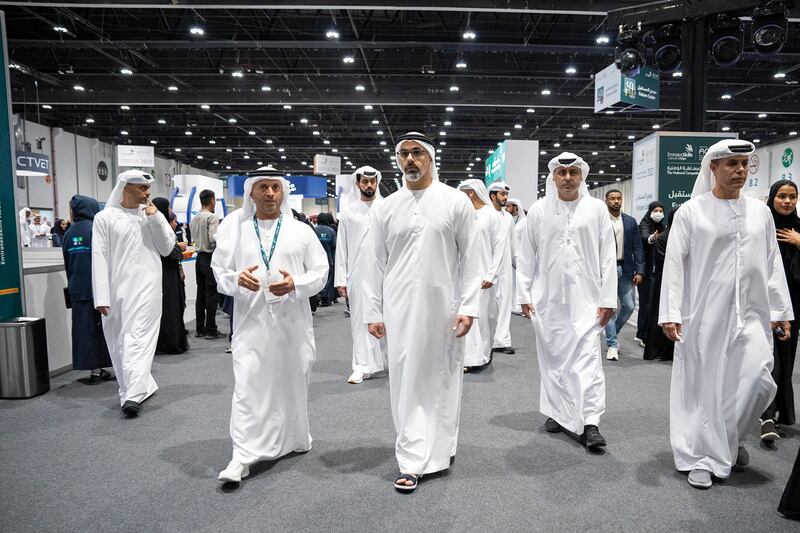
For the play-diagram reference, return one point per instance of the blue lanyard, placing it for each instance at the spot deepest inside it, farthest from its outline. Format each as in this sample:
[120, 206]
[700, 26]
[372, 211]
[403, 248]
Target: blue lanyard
[274, 240]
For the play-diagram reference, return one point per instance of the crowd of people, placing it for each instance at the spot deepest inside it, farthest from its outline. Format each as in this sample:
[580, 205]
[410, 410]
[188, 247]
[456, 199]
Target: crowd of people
[432, 275]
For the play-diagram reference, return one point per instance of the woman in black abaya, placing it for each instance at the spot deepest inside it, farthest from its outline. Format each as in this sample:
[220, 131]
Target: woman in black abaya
[658, 346]
[172, 337]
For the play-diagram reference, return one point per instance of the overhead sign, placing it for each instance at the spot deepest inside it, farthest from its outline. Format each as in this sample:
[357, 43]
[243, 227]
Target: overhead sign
[136, 156]
[32, 163]
[11, 305]
[327, 164]
[611, 88]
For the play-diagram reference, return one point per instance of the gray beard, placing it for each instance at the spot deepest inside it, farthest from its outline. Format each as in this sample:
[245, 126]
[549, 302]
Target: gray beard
[413, 176]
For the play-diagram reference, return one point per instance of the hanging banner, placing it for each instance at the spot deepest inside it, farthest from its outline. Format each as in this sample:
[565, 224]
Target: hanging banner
[136, 156]
[32, 164]
[327, 164]
[10, 254]
[611, 87]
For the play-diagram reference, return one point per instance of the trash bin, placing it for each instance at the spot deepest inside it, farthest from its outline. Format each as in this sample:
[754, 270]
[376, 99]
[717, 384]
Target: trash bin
[24, 371]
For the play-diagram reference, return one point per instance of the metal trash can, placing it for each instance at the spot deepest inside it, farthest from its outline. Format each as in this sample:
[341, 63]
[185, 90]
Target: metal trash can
[24, 371]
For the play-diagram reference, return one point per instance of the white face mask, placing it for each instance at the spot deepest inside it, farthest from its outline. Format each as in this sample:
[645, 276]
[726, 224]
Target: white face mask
[657, 217]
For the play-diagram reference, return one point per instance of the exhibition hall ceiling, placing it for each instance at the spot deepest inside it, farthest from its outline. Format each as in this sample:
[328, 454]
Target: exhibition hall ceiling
[228, 88]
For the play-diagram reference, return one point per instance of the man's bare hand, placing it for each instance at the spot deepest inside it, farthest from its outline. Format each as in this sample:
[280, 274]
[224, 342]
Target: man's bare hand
[528, 310]
[462, 325]
[282, 287]
[604, 314]
[248, 280]
[637, 280]
[377, 330]
[672, 331]
[486, 284]
[785, 326]
[150, 209]
[342, 291]
[103, 309]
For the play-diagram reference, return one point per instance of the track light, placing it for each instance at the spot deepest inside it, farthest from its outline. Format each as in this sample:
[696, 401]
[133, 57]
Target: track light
[769, 28]
[666, 43]
[727, 39]
[629, 54]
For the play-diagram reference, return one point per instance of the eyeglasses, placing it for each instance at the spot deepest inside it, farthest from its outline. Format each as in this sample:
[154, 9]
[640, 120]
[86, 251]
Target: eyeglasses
[416, 153]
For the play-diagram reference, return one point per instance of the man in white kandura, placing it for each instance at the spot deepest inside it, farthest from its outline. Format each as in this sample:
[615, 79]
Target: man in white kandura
[369, 353]
[515, 207]
[270, 264]
[567, 285]
[39, 233]
[423, 293]
[129, 237]
[478, 342]
[723, 294]
[498, 192]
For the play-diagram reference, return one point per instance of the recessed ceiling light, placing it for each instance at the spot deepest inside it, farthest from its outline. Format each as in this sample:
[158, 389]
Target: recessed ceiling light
[251, 132]
[571, 70]
[570, 135]
[172, 88]
[461, 64]
[726, 128]
[60, 29]
[153, 141]
[232, 120]
[779, 75]
[348, 59]
[602, 40]
[162, 121]
[266, 88]
[212, 141]
[45, 106]
[530, 110]
[123, 132]
[187, 132]
[78, 87]
[656, 126]
[448, 109]
[196, 30]
[545, 92]
[332, 34]
[90, 121]
[454, 88]
[287, 106]
[762, 115]
[125, 107]
[126, 71]
[584, 126]
[469, 35]
[360, 88]
[726, 96]
[556, 145]
[368, 107]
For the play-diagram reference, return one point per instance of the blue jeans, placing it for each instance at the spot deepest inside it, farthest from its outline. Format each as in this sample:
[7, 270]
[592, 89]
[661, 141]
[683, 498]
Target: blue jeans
[625, 295]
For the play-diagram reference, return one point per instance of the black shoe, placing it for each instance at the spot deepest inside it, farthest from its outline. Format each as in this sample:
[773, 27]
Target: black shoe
[551, 426]
[214, 335]
[200, 334]
[131, 409]
[324, 303]
[508, 349]
[592, 437]
[346, 312]
[105, 375]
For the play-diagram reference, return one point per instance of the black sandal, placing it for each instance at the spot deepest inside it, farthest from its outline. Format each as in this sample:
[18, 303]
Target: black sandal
[407, 477]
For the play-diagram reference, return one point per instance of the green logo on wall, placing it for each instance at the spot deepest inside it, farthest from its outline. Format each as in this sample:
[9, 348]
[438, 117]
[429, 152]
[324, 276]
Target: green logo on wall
[788, 158]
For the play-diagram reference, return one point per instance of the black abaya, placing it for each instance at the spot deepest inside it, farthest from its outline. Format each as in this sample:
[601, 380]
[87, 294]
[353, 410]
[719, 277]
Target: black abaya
[790, 500]
[89, 350]
[172, 337]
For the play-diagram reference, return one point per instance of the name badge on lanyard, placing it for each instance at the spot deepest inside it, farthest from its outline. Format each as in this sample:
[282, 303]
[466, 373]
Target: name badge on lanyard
[271, 277]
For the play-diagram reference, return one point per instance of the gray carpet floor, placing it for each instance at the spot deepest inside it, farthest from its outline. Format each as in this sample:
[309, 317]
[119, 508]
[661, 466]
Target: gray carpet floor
[69, 462]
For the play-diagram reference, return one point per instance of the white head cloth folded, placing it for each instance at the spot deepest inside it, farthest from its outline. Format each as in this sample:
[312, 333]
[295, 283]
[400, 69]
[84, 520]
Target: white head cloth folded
[478, 187]
[425, 142]
[521, 216]
[728, 148]
[353, 192]
[498, 186]
[265, 173]
[565, 159]
[136, 177]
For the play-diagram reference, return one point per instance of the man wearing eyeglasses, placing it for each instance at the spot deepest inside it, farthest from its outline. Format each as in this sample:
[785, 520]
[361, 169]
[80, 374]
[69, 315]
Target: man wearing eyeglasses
[567, 285]
[369, 353]
[422, 294]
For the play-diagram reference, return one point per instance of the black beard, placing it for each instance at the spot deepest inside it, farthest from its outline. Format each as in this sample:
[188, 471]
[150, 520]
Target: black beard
[368, 193]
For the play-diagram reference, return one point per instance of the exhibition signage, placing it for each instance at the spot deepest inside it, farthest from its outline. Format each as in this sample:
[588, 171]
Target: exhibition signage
[495, 167]
[136, 156]
[10, 267]
[611, 87]
[327, 164]
[515, 162]
[32, 164]
[308, 186]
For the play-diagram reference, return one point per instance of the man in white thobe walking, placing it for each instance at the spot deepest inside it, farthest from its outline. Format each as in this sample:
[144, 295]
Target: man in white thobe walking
[567, 285]
[270, 264]
[129, 237]
[498, 193]
[369, 353]
[723, 293]
[422, 294]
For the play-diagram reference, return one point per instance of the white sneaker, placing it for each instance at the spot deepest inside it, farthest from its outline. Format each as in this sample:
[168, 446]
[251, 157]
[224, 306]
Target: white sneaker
[234, 472]
[612, 354]
[356, 377]
[700, 479]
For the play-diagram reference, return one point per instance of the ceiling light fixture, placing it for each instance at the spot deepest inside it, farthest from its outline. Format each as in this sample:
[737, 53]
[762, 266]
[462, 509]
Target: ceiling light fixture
[584, 126]
[666, 43]
[348, 59]
[570, 70]
[448, 109]
[469, 35]
[770, 26]
[727, 39]
[726, 96]
[332, 34]
[196, 30]
[237, 74]
[546, 92]
[162, 121]
[172, 88]
[187, 132]
[123, 132]
[45, 106]
[79, 87]
[60, 29]
[125, 107]
[367, 107]
[90, 121]
[126, 71]
[454, 88]
[726, 128]
[602, 39]
[266, 88]
[629, 55]
[205, 107]
[287, 106]
[461, 63]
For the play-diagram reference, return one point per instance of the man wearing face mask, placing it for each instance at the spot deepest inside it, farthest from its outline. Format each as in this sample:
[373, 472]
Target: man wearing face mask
[369, 353]
[630, 267]
[723, 294]
[498, 193]
[422, 293]
[567, 286]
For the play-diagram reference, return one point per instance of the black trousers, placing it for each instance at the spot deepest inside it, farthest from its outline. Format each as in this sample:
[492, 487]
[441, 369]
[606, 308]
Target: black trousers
[645, 299]
[207, 295]
[781, 410]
